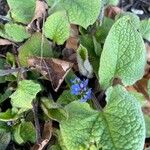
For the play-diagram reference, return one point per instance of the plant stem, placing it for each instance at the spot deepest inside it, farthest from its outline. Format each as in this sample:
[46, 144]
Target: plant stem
[96, 103]
[36, 120]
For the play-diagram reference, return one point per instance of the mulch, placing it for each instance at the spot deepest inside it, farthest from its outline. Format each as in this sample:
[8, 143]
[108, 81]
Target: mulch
[139, 7]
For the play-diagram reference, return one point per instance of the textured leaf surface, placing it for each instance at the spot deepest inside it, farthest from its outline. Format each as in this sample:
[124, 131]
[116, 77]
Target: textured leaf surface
[66, 98]
[57, 27]
[54, 110]
[24, 94]
[147, 124]
[123, 55]
[119, 126]
[27, 132]
[145, 29]
[4, 140]
[82, 12]
[32, 47]
[14, 32]
[21, 10]
[8, 115]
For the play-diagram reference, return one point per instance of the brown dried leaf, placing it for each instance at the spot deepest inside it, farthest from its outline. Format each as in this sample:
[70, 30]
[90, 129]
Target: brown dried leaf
[5, 42]
[73, 41]
[112, 11]
[40, 13]
[72, 44]
[46, 136]
[52, 69]
[148, 51]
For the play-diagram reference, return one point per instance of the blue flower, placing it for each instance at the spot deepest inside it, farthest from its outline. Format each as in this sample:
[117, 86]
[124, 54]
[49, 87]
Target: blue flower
[79, 87]
[87, 96]
[75, 89]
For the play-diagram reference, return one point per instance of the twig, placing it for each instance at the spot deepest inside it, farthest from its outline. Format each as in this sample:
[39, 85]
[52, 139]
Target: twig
[36, 120]
[96, 103]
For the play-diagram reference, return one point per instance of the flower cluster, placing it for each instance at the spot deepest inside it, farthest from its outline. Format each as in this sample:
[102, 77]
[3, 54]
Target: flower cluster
[79, 87]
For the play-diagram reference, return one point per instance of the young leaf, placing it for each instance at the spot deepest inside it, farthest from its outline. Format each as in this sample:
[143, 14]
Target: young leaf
[24, 94]
[84, 65]
[8, 115]
[103, 30]
[57, 27]
[34, 46]
[145, 29]
[27, 132]
[54, 110]
[14, 32]
[123, 55]
[21, 10]
[24, 132]
[119, 126]
[16, 134]
[87, 41]
[82, 12]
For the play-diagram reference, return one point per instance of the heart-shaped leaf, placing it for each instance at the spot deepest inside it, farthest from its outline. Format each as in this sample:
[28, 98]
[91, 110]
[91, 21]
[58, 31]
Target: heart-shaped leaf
[14, 32]
[57, 27]
[119, 126]
[25, 93]
[21, 10]
[34, 46]
[124, 54]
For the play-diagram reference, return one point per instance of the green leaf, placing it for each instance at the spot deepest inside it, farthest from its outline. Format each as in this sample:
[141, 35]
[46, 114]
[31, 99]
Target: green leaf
[27, 132]
[8, 115]
[4, 127]
[55, 147]
[10, 59]
[84, 65]
[103, 30]
[16, 134]
[123, 55]
[147, 124]
[119, 126]
[34, 46]
[5, 95]
[54, 110]
[82, 12]
[112, 2]
[88, 43]
[97, 47]
[2, 66]
[14, 32]
[21, 10]
[4, 140]
[134, 18]
[25, 93]
[145, 29]
[57, 27]
[66, 98]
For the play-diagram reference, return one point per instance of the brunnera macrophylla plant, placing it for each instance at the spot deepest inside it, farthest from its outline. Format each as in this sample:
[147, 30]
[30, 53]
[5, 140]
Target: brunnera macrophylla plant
[115, 50]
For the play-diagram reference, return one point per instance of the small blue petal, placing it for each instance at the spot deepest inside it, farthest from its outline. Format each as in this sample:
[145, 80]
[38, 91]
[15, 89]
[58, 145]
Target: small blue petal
[86, 82]
[75, 89]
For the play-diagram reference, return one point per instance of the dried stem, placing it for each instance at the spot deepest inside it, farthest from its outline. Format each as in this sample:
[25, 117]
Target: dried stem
[36, 120]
